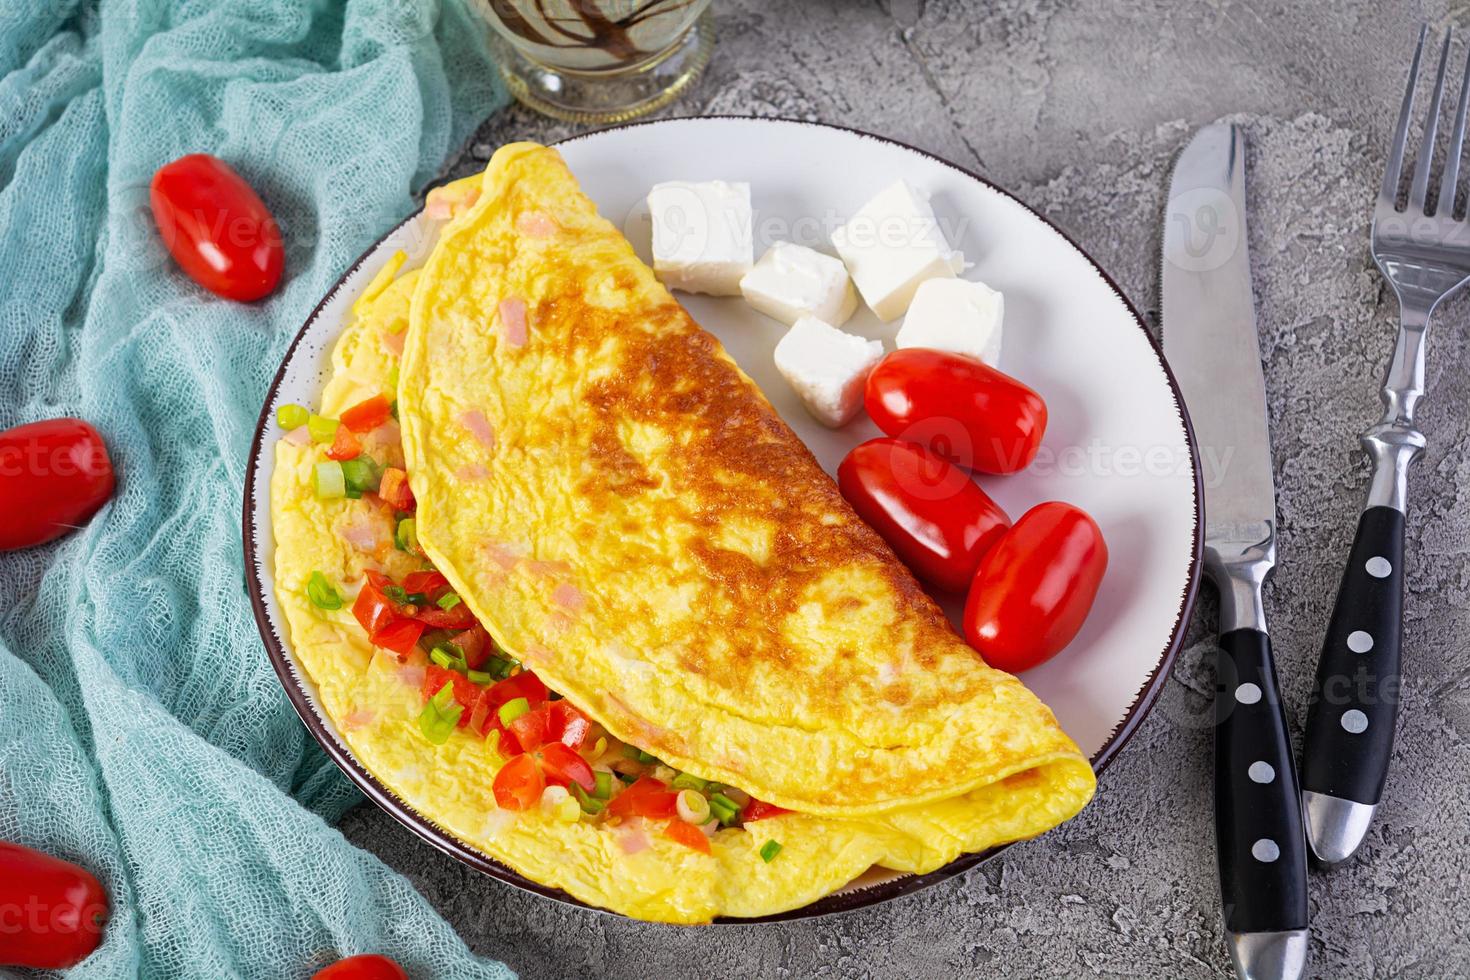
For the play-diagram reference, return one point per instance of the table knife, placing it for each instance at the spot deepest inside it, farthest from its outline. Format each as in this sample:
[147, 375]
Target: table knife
[1210, 342]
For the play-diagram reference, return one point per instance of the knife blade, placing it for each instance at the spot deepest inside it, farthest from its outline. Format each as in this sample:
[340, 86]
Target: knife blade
[1210, 341]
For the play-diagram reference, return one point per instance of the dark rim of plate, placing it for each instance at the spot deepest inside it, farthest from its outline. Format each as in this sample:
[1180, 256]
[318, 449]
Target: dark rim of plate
[421, 825]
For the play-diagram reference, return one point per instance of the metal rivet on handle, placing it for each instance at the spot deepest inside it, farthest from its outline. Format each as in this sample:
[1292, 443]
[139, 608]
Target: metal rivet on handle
[1265, 850]
[1354, 721]
[1378, 566]
[1247, 693]
[1261, 772]
[1359, 641]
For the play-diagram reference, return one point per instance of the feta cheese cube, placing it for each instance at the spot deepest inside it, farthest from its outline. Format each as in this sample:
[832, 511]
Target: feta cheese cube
[702, 240]
[792, 281]
[891, 245]
[955, 315]
[827, 367]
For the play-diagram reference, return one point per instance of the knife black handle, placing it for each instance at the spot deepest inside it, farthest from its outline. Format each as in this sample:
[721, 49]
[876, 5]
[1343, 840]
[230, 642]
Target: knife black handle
[1258, 817]
[1350, 718]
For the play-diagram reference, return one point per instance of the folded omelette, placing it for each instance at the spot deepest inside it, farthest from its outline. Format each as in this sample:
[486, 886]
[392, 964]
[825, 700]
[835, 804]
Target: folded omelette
[618, 580]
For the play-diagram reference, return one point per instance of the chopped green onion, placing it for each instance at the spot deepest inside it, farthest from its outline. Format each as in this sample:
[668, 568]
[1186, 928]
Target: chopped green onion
[321, 593]
[692, 806]
[726, 810]
[397, 593]
[440, 716]
[769, 850]
[448, 656]
[647, 757]
[327, 480]
[449, 600]
[321, 429]
[590, 805]
[444, 697]
[687, 781]
[292, 416]
[603, 789]
[362, 474]
[478, 676]
[406, 537]
[393, 408]
[632, 751]
[513, 709]
[393, 380]
[415, 598]
[627, 777]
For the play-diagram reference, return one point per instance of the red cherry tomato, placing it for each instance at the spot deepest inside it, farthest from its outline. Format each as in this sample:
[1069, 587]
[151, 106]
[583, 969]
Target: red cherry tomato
[52, 909]
[1035, 587]
[519, 783]
[366, 967]
[959, 407]
[54, 476]
[217, 228]
[928, 510]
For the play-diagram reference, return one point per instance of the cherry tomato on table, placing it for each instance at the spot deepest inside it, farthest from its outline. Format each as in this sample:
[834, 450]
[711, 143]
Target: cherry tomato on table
[369, 966]
[1035, 586]
[55, 910]
[54, 476]
[959, 407]
[928, 510]
[217, 228]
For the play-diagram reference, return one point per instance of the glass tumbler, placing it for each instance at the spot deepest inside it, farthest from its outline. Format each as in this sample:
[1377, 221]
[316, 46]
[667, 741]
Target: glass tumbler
[598, 61]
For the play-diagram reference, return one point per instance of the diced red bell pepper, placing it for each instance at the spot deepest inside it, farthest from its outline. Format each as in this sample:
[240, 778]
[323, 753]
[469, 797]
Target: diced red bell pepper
[567, 725]
[563, 767]
[427, 582]
[648, 797]
[530, 729]
[394, 489]
[367, 415]
[344, 445]
[474, 646]
[400, 636]
[756, 810]
[518, 784]
[466, 692]
[523, 685]
[687, 834]
[373, 609]
[457, 618]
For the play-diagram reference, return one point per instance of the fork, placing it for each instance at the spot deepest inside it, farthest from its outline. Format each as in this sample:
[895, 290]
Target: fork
[1424, 254]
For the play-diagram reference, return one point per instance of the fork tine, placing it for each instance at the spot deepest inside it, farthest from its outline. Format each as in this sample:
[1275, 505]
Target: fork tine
[1448, 183]
[1420, 187]
[1390, 190]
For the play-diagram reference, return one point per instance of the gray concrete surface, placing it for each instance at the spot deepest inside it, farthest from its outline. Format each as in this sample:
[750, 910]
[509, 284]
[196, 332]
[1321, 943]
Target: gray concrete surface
[1078, 107]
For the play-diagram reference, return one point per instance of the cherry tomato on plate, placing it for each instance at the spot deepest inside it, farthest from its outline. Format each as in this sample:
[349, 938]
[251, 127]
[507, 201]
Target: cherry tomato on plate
[57, 910]
[959, 407]
[928, 510]
[369, 966]
[1035, 586]
[54, 475]
[217, 228]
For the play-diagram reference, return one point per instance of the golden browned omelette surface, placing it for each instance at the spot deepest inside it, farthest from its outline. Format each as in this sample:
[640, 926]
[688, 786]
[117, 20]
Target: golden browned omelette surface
[627, 514]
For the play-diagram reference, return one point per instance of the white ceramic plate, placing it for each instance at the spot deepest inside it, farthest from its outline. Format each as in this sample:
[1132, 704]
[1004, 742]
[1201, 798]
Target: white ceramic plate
[1118, 442]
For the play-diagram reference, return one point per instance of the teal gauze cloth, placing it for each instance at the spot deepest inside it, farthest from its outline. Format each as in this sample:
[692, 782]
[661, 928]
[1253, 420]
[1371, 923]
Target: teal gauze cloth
[143, 733]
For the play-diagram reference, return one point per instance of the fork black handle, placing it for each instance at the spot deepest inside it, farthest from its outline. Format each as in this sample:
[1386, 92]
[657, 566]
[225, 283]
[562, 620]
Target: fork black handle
[1350, 720]
[1258, 820]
